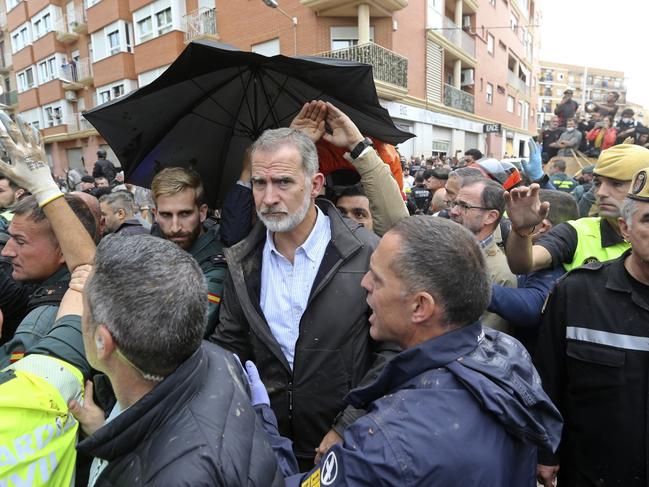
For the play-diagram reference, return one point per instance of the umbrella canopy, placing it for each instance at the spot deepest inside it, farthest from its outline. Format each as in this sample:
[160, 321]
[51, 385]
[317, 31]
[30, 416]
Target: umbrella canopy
[214, 100]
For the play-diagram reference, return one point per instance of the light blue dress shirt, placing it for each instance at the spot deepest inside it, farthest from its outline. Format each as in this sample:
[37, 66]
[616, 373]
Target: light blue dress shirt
[285, 287]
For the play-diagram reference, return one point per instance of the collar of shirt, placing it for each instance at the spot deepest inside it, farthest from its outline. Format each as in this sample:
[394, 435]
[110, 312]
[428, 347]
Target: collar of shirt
[310, 246]
[487, 242]
[609, 236]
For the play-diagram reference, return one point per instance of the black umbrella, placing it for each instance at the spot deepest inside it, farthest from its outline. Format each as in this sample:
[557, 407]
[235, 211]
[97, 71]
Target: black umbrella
[214, 100]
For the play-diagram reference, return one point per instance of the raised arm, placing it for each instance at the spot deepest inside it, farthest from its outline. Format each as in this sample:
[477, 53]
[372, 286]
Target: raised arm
[25, 163]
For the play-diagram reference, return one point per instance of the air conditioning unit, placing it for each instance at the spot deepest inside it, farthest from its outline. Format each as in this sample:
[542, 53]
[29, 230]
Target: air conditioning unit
[70, 96]
[467, 78]
[466, 22]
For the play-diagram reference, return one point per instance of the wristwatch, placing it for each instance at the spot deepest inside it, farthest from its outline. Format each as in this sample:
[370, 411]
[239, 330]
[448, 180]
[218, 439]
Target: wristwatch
[360, 147]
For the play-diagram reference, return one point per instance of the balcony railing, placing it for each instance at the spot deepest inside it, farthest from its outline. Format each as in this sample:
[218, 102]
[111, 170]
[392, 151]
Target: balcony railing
[77, 21]
[200, 23]
[518, 83]
[9, 98]
[459, 99]
[76, 73]
[3, 20]
[450, 31]
[64, 32]
[387, 66]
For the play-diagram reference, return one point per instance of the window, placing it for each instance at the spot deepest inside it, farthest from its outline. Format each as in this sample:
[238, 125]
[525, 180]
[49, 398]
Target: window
[490, 44]
[21, 37]
[118, 90]
[42, 21]
[113, 42]
[47, 70]
[144, 29]
[345, 37]
[268, 48]
[510, 104]
[26, 80]
[513, 22]
[163, 21]
[104, 96]
[12, 3]
[520, 108]
[52, 116]
[490, 93]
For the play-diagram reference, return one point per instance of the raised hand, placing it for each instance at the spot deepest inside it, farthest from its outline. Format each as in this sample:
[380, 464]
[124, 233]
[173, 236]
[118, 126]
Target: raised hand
[534, 166]
[344, 132]
[311, 120]
[24, 161]
[524, 208]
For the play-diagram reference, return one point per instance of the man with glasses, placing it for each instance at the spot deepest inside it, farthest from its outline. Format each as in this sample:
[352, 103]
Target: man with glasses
[478, 207]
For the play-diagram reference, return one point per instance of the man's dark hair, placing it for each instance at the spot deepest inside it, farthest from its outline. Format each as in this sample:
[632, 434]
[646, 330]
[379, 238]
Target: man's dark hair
[419, 178]
[475, 153]
[616, 95]
[28, 207]
[428, 173]
[464, 293]
[161, 325]
[355, 190]
[466, 172]
[492, 194]
[560, 164]
[627, 112]
[441, 173]
[563, 207]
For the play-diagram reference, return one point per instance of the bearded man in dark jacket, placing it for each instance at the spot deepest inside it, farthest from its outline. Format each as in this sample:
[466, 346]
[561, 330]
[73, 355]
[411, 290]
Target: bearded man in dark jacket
[293, 302]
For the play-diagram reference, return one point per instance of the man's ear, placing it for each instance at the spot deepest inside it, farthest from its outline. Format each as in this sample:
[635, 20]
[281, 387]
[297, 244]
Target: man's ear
[203, 212]
[104, 342]
[422, 308]
[121, 214]
[317, 183]
[490, 217]
[624, 228]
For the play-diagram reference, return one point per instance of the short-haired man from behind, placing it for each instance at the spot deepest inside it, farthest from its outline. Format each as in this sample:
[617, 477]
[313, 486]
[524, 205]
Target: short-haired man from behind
[117, 211]
[180, 213]
[171, 388]
[478, 207]
[445, 411]
[293, 301]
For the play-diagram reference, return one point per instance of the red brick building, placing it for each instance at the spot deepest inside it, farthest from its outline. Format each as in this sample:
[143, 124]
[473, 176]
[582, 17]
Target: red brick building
[444, 69]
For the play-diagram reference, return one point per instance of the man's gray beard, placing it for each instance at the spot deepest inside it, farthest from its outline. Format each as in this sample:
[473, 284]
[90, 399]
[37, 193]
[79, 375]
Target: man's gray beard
[290, 221]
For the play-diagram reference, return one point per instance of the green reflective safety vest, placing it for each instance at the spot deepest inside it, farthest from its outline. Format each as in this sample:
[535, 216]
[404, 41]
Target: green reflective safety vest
[589, 244]
[38, 434]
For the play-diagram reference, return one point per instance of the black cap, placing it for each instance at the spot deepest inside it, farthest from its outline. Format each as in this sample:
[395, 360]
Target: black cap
[87, 179]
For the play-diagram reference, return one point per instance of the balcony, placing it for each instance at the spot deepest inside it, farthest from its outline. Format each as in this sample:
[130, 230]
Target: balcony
[518, 83]
[78, 22]
[349, 8]
[456, 43]
[458, 99]
[458, 37]
[76, 75]
[9, 99]
[64, 32]
[3, 20]
[5, 68]
[200, 24]
[76, 122]
[387, 66]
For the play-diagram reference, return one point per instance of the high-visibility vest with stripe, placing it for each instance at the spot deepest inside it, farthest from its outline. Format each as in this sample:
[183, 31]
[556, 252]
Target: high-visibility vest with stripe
[589, 244]
[38, 434]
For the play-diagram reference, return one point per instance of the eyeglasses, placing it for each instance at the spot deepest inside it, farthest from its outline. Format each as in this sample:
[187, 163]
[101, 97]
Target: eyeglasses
[464, 207]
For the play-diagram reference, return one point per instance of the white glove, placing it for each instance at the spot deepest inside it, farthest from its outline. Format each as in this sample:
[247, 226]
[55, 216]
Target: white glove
[24, 160]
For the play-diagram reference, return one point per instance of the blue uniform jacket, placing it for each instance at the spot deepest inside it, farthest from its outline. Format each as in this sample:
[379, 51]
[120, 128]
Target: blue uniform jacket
[465, 408]
[522, 306]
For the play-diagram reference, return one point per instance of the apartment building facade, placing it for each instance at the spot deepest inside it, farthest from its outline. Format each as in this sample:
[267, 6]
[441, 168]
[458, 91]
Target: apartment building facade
[457, 73]
[588, 84]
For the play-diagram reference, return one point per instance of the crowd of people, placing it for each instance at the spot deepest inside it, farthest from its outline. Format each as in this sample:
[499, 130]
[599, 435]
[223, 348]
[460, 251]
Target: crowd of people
[462, 321]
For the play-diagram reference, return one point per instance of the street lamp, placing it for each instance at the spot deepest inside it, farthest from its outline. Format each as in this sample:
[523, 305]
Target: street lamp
[273, 4]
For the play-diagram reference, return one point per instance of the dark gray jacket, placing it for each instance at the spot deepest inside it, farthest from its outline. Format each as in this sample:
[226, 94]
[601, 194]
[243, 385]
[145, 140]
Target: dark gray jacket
[194, 428]
[334, 352]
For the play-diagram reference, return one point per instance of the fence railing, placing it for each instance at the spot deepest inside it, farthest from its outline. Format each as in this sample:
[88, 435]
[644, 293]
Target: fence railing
[387, 66]
[459, 99]
[517, 83]
[200, 23]
[76, 71]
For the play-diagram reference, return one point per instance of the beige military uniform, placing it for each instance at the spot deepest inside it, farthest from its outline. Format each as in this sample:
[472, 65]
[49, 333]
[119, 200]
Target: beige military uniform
[499, 273]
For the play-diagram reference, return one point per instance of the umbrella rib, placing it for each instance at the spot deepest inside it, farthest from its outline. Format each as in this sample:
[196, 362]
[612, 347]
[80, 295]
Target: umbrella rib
[291, 95]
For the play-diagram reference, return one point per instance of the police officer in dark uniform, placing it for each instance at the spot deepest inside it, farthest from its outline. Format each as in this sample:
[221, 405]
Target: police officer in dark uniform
[593, 358]
[420, 196]
[103, 167]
